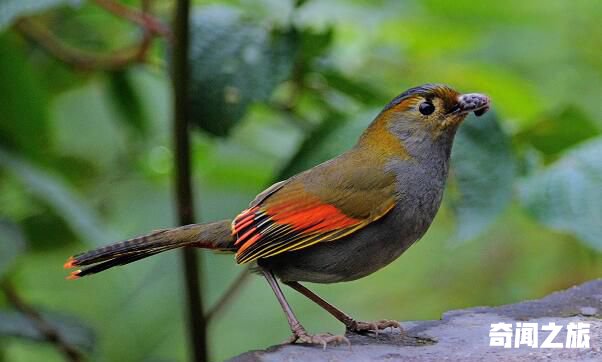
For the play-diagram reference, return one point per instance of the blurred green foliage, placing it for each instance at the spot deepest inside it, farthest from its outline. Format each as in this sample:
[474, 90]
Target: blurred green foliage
[85, 158]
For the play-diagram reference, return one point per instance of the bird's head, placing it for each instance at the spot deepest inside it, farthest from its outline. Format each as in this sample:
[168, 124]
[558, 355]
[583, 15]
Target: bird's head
[430, 112]
[435, 107]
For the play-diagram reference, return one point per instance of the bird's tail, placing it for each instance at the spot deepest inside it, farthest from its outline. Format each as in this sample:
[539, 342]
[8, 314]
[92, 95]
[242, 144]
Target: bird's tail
[215, 236]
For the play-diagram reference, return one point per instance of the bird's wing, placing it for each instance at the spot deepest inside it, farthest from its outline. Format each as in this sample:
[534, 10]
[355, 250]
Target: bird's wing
[319, 205]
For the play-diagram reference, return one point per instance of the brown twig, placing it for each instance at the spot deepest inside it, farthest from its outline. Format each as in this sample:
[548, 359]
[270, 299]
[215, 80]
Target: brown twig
[197, 324]
[80, 59]
[233, 290]
[85, 60]
[47, 330]
[142, 18]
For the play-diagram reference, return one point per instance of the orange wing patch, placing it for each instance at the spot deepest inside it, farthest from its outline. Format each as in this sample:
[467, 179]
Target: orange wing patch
[312, 218]
[291, 224]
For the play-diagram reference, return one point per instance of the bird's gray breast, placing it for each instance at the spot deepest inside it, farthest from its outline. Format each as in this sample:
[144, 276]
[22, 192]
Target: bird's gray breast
[420, 188]
[421, 179]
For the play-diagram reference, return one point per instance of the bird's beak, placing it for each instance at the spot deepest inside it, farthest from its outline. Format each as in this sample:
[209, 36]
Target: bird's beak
[473, 102]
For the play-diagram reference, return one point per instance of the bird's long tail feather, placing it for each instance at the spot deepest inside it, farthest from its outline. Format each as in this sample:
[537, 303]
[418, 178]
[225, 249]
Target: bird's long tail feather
[216, 236]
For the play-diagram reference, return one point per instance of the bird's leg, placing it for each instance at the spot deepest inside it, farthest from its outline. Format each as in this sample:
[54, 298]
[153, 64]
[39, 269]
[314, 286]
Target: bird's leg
[351, 324]
[299, 333]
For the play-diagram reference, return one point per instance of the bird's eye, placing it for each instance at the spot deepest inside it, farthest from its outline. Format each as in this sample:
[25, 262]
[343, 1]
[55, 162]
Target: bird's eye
[426, 108]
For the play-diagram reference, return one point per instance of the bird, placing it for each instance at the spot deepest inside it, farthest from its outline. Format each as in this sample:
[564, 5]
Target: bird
[339, 221]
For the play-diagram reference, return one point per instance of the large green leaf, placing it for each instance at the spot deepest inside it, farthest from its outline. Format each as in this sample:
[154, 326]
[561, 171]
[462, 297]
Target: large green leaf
[13, 9]
[482, 174]
[567, 196]
[12, 243]
[77, 214]
[74, 332]
[234, 62]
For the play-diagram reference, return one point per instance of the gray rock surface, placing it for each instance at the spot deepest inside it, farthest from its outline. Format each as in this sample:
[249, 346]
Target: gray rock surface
[463, 335]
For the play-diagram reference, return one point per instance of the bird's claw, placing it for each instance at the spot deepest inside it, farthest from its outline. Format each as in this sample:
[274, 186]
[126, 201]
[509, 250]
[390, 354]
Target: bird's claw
[376, 326]
[322, 339]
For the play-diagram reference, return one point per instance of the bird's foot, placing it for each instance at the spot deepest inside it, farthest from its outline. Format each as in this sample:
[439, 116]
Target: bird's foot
[376, 326]
[322, 339]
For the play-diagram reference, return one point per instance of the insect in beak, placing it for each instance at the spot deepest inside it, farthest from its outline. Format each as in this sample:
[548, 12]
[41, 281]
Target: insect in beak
[473, 102]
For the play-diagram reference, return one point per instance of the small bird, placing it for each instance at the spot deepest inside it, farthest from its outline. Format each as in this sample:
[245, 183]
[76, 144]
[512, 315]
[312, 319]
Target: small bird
[338, 221]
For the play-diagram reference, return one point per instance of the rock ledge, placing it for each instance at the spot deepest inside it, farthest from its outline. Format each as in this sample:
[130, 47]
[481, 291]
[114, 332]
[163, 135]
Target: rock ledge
[464, 334]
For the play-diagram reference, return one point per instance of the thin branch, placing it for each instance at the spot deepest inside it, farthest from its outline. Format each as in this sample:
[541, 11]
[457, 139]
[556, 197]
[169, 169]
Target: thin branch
[233, 290]
[80, 59]
[197, 325]
[47, 330]
[142, 18]
[292, 116]
[85, 60]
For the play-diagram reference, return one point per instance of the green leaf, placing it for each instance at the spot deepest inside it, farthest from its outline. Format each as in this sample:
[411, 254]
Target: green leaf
[559, 130]
[567, 195]
[335, 135]
[45, 229]
[315, 44]
[10, 10]
[12, 243]
[14, 324]
[83, 122]
[23, 109]
[330, 138]
[53, 191]
[481, 176]
[358, 90]
[233, 63]
[126, 101]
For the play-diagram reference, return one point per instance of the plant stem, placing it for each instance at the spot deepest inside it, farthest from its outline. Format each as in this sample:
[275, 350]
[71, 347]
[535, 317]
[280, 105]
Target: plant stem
[47, 330]
[197, 325]
[228, 296]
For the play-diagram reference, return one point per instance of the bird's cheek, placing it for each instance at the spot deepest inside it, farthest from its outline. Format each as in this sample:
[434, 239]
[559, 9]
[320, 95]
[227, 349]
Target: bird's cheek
[451, 122]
